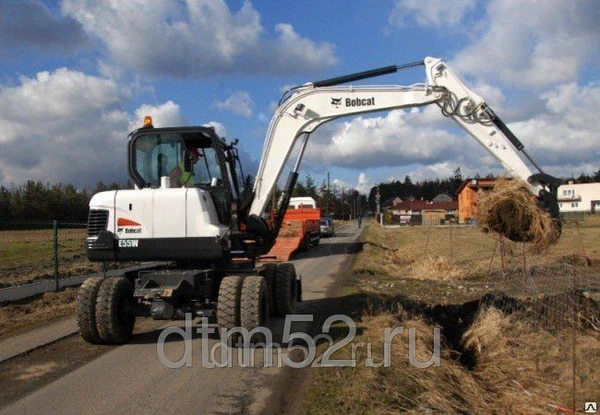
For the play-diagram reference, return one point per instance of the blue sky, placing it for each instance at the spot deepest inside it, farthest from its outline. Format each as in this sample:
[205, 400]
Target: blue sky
[77, 75]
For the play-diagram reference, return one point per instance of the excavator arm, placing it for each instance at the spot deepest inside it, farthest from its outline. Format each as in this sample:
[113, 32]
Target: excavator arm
[307, 107]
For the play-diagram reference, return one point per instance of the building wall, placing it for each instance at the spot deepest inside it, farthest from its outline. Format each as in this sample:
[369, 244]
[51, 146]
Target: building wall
[434, 217]
[583, 197]
[468, 196]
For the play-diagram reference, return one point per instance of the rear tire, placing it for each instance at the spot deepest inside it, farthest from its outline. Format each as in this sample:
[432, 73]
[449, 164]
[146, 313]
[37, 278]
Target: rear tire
[316, 241]
[285, 289]
[86, 310]
[115, 316]
[228, 304]
[255, 304]
[270, 274]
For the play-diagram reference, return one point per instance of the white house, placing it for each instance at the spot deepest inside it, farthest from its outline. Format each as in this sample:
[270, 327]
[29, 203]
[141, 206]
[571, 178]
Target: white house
[583, 197]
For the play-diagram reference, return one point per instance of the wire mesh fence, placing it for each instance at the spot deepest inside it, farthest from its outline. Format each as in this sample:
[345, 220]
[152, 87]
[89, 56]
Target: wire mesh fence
[550, 305]
[537, 331]
[39, 251]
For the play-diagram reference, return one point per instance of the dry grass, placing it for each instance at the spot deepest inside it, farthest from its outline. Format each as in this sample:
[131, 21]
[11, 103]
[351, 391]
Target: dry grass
[509, 210]
[465, 253]
[518, 359]
[25, 315]
[518, 370]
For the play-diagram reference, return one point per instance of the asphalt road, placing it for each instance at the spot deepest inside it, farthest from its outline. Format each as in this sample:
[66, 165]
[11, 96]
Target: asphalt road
[131, 379]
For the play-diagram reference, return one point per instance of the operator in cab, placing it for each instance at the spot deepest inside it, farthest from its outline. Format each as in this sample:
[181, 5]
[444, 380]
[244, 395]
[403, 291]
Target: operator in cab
[179, 176]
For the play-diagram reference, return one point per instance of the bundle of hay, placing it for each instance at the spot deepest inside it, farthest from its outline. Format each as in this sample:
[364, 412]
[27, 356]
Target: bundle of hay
[511, 210]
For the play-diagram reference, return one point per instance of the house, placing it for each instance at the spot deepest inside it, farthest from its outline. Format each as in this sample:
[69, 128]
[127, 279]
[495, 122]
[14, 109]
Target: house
[579, 198]
[423, 211]
[442, 197]
[468, 195]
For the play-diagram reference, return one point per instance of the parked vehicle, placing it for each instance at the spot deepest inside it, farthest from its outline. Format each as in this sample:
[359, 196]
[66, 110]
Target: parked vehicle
[327, 228]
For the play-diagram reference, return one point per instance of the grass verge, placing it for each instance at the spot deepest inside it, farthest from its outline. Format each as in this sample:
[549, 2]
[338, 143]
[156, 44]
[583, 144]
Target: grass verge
[495, 355]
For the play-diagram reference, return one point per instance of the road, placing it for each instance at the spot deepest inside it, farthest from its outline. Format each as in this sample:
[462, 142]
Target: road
[131, 379]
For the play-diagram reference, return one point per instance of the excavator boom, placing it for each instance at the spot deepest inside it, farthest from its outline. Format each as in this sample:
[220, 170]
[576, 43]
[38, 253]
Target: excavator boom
[307, 107]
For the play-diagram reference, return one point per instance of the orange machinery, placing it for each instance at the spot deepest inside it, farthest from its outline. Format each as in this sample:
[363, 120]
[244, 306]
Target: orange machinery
[300, 229]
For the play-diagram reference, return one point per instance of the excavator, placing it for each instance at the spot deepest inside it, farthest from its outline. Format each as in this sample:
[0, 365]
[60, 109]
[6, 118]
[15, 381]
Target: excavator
[190, 213]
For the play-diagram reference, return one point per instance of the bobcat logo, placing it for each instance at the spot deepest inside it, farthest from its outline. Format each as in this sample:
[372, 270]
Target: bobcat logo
[336, 101]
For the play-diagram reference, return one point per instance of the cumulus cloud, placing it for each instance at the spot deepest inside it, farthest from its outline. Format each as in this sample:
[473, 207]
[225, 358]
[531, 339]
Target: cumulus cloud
[163, 115]
[29, 24]
[549, 45]
[62, 126]
[430, 13]
[396, 139]
[194, 38]
[566, 134]
[562, 137]
[66, 126]
[239, 103]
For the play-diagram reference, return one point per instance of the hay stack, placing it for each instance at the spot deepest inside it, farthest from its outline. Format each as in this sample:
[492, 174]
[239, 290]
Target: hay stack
[511, 211]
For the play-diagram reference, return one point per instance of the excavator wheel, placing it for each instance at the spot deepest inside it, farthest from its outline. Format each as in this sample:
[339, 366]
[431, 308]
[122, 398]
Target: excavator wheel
[86, 310]
[255, 303]
[270, 273]
[229, 302]
[115, 310]
[285, 289]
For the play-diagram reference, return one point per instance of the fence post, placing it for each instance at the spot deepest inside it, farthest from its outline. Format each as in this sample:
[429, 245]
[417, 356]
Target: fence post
[55, 252]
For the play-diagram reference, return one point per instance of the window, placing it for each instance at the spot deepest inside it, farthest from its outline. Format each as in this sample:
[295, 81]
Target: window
[574, 204]
[560, 205]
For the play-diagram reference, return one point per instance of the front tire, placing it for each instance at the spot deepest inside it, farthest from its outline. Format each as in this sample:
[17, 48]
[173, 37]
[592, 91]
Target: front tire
[115, 311]
[86, 310]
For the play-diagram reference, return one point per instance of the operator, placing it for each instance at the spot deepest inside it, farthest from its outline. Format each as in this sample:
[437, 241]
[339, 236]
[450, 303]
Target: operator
[179, 176]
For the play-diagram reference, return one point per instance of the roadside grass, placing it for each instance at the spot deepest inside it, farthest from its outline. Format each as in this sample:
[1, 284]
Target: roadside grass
[40, 310]
[492, 359]
[28, 255]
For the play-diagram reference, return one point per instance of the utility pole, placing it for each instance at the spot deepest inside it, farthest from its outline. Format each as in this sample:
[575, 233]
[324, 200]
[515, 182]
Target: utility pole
[378, 201]
[328, 196]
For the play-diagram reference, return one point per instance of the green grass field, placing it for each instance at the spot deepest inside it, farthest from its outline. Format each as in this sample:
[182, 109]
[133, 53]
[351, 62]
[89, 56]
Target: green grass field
[27, 256]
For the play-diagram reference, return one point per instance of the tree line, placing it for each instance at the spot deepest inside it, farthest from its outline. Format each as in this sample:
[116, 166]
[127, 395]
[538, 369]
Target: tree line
[36, 201]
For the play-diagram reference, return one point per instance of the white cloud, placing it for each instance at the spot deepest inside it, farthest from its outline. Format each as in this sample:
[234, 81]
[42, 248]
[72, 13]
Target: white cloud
[547, 45]
[163, 115]
[562, 137]
[430, 13]
[239, 103]
[364, 184]
[396, 139]
[62, 126]
[194, 38]
[566, 134]
[220, 129]
[66, 126]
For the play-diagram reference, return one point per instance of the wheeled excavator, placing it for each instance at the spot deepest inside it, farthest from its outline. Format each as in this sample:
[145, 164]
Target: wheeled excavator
[209, 233]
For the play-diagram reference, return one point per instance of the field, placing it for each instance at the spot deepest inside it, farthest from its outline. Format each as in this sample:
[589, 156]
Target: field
[28, 255]
[519, 328]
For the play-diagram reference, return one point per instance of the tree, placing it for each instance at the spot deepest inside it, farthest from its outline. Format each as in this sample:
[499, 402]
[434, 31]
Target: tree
[311, 187]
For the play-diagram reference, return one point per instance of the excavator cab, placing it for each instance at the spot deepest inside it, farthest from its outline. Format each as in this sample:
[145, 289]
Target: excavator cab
[187, 157]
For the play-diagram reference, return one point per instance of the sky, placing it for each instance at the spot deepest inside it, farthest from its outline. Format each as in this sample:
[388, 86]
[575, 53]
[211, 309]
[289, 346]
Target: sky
[76, 76]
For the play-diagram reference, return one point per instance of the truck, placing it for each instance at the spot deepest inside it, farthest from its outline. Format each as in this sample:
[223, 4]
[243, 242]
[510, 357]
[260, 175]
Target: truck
[212, 232]
[300, 229]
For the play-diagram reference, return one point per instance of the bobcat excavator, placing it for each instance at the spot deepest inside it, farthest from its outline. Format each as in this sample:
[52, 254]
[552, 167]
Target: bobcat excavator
[189, 210]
